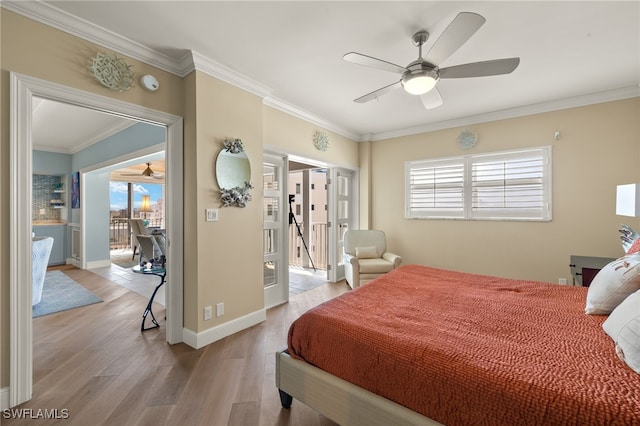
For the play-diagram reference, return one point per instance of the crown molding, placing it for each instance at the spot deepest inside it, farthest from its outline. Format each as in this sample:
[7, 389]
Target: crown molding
[63, 21]
[189, 62]
[555, 105]
[112, 130]
[285, 107]
[192, 60]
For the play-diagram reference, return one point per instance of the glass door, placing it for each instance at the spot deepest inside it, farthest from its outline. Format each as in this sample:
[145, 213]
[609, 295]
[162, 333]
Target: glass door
[275, 278]
[343, 216]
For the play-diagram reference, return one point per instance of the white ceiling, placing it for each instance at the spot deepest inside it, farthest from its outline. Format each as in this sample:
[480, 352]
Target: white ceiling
[571, 52]
[65, 128]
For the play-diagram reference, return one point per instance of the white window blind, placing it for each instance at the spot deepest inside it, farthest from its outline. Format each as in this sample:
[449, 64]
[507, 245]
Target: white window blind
[514, 185]
[436, 188]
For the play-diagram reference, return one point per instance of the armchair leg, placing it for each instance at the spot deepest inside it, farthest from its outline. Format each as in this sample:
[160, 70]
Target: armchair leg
[134, 252]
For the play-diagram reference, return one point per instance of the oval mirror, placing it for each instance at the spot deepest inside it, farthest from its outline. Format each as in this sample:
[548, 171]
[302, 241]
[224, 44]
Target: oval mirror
[232, 170]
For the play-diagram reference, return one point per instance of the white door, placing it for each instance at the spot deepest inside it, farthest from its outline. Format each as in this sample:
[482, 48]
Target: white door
[275, 265]
[343, 216]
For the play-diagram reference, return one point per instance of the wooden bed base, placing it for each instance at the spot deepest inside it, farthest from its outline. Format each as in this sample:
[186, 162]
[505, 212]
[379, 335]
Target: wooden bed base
[337, 399]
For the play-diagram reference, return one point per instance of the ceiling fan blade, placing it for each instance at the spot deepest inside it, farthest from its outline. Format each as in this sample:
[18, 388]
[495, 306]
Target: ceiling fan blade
[481, 69]
[377, 93]
[370, 61]
[463, 26]
[431, 99]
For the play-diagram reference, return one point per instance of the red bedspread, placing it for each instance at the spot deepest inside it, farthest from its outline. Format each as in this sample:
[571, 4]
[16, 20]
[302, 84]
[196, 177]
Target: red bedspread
[467, 349]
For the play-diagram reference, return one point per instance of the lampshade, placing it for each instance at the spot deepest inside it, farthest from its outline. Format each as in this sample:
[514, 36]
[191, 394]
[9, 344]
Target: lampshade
[146, 204]
[628, 200]
[418, 84]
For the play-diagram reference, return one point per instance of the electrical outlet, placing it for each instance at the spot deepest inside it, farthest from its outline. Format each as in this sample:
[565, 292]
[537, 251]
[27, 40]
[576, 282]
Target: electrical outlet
[563, 281]
[211, 215]
[208, 312]
[43, 212]
[220, 309]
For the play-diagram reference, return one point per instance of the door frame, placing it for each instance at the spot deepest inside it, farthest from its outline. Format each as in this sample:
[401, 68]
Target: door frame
[335, 256]
[22, 90]
[279, 293]
[332, 254]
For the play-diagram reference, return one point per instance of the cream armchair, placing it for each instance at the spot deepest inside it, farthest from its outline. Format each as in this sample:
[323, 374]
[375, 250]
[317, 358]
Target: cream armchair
[366, 256]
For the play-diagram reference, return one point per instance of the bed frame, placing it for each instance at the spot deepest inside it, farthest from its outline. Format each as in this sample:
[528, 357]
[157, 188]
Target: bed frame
[337, 399]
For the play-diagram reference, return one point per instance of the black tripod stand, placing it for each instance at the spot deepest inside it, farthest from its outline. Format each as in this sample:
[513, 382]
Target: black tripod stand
[292, 219]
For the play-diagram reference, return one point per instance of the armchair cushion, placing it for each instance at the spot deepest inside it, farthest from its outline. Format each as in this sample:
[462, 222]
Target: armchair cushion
[375, 266]
[367, 252]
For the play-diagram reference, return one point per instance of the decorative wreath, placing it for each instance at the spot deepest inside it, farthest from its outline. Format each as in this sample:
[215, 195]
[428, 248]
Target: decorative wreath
[320, 141]
[467, 139]
[112, 72]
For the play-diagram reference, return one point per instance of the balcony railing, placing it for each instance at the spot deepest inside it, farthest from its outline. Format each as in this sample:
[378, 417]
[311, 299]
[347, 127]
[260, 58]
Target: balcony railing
[317, 246]
[120, 232]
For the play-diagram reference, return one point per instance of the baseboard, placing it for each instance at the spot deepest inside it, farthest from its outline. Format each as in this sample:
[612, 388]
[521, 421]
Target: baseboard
[4, 398]
[198, 340]
[99, 264]
[73, 261]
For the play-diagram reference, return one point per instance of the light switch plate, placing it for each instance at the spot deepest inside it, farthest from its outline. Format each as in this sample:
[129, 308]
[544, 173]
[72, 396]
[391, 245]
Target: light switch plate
[211, 215]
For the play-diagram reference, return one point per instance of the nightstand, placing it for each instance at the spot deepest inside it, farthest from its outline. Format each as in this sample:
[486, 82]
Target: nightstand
[585, 268]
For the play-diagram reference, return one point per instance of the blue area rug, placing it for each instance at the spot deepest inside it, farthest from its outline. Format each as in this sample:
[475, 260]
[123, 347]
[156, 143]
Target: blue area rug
[61, 293]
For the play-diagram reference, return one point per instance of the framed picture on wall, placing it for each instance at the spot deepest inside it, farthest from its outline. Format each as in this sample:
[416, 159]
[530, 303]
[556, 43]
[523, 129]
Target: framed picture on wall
[75, 190]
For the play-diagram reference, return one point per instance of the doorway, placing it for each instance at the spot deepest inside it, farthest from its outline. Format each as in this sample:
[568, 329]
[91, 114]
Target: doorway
[23, 90]
[335, 203]
[307, 231]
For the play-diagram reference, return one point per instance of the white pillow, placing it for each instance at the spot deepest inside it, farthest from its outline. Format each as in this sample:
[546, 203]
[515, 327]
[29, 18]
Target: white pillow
[612, 284]
[366, 252]
[623, 325]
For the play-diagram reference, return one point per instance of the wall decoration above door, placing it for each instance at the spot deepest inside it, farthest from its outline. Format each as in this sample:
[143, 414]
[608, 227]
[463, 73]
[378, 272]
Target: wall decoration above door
[112, 72]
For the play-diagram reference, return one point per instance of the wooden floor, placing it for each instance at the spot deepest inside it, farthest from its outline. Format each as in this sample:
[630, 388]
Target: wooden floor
[94, 364]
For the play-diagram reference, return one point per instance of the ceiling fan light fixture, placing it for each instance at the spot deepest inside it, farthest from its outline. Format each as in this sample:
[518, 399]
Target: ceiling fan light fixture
[418, 84]
[420, 78]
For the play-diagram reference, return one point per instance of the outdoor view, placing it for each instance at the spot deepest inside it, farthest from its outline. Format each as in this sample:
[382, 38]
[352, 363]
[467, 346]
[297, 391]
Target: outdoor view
[119, 197]
[126, 201]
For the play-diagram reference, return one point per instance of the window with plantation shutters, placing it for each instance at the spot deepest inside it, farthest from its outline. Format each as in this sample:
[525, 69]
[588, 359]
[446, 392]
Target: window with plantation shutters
[513, 185]
[436, 188]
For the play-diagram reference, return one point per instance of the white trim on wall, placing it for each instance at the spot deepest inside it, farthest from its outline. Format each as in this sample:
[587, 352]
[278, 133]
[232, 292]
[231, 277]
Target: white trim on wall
[63, 21]
[190, 61]
[22, 90]
[199, 340]
[559, 104]
[4, 398]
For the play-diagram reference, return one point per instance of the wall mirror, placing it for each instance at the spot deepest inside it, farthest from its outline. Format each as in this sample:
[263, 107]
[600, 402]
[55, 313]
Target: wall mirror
[233, 173]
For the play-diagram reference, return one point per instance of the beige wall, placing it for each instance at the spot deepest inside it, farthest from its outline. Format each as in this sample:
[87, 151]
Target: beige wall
[364, 154]
[228, 252]
[598, 149]
[284, 133]
[221, 264]
[43, 52]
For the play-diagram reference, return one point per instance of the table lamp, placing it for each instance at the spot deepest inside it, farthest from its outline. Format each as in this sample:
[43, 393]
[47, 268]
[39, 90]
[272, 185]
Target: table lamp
[146, 206]
[628, 204]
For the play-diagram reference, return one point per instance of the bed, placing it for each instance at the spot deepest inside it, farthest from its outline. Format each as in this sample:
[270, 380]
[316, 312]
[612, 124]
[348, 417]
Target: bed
[423, 345]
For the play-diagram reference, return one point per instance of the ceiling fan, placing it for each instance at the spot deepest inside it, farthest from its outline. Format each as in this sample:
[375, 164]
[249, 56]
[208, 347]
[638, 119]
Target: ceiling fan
[147, 173]
[420, 76]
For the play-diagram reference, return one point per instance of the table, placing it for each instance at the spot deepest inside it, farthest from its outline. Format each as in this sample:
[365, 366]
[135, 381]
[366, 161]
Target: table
[585, 268]
[159, 271]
